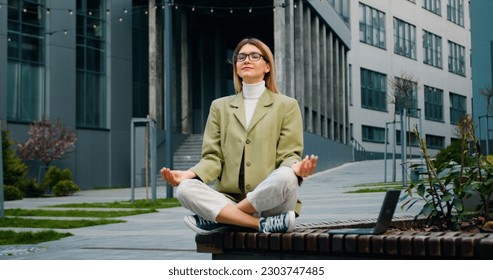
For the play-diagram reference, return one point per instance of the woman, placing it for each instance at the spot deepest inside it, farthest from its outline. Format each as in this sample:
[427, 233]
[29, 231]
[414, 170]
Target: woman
[253, 142]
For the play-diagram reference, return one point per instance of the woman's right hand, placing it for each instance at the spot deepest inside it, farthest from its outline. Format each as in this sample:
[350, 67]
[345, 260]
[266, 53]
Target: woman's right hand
[175, 177]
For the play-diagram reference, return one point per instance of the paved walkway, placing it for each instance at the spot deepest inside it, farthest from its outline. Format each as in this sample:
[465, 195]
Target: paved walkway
[163, 235]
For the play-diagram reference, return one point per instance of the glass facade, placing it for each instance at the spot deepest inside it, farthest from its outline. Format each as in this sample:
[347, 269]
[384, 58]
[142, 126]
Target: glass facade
[456, 59]
[457, 107]
[26, 60]
[435, 142]
[372, 26]
[90, 64]
[433, 104]
[432, 49]
[404, 38]
[433, 6]
[373, 90]
[407, 99]
[455, 11]
[373, 134]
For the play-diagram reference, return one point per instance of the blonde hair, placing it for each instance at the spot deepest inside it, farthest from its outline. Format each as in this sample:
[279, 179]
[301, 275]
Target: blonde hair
[270, 81]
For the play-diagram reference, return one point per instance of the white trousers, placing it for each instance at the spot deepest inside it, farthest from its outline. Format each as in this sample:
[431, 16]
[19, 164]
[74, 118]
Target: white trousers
[278, 193]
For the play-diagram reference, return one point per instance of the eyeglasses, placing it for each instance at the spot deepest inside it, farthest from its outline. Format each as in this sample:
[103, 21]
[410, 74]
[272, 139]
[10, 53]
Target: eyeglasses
[252, 56]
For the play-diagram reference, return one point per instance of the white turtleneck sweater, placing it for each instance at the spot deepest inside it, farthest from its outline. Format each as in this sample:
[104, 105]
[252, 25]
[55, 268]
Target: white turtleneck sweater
[251, 94]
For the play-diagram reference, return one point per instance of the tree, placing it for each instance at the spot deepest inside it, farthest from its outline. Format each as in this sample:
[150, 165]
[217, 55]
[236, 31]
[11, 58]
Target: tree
[487, 92]
[48, 141]
[403, 88]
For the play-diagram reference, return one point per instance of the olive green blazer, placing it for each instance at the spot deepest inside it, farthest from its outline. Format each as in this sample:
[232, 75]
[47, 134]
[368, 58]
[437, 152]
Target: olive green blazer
[274, 138]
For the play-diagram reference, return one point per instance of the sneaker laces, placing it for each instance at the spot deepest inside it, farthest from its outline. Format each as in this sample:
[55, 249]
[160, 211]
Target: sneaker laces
[201, 222]
[275, 223]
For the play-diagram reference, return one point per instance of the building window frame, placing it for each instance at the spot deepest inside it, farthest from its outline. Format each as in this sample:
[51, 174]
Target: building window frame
[372, 134]
[373, 90]
[404, 38]
[434, 6]
[457, 107]
[433, 104]
[455, 12]
[372, 26]
[456, 59]
[91, 65]
[401, 98]
[26, 60]
[435, 141]
[432, 49]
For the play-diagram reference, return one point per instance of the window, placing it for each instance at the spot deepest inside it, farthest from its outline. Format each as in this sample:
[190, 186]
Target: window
[404, 38]
[455, 11]
[435, 142]
[433, 104]
[456, 59]
[26, 60]
[433, 6]
[457, 108]
[373, 134]
[372, 26]
[91, 69]
[410, 137]
[373, 90]
[432, 49]
[406, 96]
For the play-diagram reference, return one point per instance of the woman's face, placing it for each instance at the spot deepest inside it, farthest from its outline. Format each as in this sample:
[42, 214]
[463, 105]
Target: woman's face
[249, 70]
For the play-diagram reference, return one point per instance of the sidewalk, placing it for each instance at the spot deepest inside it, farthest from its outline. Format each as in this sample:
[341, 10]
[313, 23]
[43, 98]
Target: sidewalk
[163, 235]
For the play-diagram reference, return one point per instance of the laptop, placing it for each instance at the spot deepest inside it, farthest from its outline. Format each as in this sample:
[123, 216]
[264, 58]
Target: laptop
[384, 218]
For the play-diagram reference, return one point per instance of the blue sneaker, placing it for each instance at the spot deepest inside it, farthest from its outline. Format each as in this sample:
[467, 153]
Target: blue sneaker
[203, 226]
[281, 223]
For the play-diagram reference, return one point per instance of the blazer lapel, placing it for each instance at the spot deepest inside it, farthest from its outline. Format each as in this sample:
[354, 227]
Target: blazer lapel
[239, 109]
[263, 107]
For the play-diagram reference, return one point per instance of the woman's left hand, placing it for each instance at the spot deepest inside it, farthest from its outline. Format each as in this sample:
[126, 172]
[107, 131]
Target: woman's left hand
[306, 167]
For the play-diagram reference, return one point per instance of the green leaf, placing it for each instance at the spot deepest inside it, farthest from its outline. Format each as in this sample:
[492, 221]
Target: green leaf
[427, 209]
[447, 197]
[459, 206]
[421, 190]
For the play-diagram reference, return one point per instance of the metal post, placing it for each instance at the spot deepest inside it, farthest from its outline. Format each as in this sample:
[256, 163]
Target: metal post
[385, 153]
[403, 147]
[1, 175]
[487, 135]
[132, 161]
[153, 151]
[168, 44]
[420, 132]
[393, 153]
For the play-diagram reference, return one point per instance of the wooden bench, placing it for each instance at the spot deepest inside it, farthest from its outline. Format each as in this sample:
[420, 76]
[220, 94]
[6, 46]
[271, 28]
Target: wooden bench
[311, 241]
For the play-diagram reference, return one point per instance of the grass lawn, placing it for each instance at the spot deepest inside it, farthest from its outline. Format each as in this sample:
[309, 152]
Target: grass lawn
[75, 213]
[9, 237]
[376, 187]
[140, 203]
[58, 224]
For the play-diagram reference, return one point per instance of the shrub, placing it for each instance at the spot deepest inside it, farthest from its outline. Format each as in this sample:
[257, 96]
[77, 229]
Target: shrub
[457, 178]
[29, 188]
[11, 193]
[13, 168]
[53, 176]
[59, 182]
[64, 188]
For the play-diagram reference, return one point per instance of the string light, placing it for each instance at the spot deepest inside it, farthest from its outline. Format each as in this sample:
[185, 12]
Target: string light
[172, 3]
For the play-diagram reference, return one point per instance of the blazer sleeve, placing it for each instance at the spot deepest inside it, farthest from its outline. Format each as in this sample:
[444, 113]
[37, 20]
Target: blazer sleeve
[290, 145]
[210, 165]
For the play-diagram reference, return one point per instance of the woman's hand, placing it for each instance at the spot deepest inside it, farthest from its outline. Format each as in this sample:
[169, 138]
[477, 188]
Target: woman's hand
[306, 167]
[175, 177]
